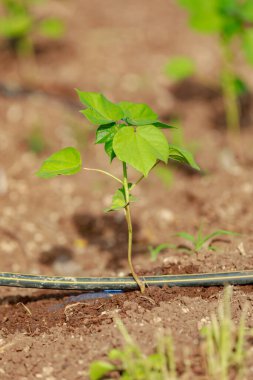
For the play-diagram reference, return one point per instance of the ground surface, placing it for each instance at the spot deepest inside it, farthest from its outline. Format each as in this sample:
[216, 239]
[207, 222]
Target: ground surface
[58, 227]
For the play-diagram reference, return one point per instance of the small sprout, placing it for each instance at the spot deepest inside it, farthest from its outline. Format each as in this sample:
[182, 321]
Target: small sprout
[180, 68]
[224, 342]
[154, 251]
[131, 133]
[199, 241]
[133, 364]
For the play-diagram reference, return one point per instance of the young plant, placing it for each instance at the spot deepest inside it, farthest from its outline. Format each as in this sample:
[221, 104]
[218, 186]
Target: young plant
[200, 241]
[18, 25]
[134, 365]
[229, 20]
[131, 133]
[224, 342]
[154, 251]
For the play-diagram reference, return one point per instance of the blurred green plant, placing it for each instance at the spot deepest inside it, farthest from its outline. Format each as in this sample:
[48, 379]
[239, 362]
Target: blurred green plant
[18, 25]
[133, 364]
[129, 132]
[200, 241]
[224, 342]
[179, 68]
[222, 349]
[230, 20]
[154, 251]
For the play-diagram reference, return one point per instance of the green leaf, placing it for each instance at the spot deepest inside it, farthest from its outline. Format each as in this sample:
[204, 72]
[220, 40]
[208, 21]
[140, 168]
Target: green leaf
[105, 133]
[219, 233]
[100, 110]
[246, 10]
[204, 15]
[139, 114]
[182, 155]
[99, 369]
[154, 252]
[52, 28]
[241, 87]
[66, 161]
[119, 200]
[124, 106]
[247, 43]
[179, 68]
[186, 236]
[161, 125]
[109, 150]
[141, 148]
[116, 354]
[17, 26]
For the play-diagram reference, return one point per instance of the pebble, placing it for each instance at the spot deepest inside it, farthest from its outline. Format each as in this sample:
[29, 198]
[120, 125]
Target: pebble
[166, 215]
[247, 188]
[8, 246]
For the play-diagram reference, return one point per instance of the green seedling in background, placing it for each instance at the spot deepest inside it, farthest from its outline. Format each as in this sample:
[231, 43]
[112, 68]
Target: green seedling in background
[200, 241]
[129, 132]
[224, 342]
[133, 364]
[19, 25]
[231, 21]
[154, 251]
[180, 68]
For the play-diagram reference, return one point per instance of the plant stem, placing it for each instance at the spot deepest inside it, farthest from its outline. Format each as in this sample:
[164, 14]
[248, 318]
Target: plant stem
[130, 230]
[229, 87]
[106, 173]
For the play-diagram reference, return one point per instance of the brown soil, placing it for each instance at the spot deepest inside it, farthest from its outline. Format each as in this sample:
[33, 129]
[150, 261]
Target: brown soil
[58, 227]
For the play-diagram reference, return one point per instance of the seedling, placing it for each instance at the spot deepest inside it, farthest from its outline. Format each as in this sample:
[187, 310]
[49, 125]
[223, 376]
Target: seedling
[230, 21]
[133, 364]
[131, 133]
[154, 251]
[224, 342]
[18, 25]
[199, 241]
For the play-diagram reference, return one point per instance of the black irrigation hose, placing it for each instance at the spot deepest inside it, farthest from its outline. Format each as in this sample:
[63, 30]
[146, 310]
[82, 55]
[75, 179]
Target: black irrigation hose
[124, 283]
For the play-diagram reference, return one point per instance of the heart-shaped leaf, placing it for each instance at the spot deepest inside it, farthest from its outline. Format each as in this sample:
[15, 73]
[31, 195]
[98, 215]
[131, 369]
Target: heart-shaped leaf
[66, 161]
[141, 148]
